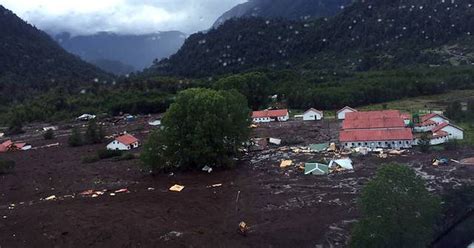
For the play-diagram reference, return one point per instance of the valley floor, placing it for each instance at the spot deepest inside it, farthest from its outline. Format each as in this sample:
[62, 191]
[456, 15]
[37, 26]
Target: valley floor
[283, 207]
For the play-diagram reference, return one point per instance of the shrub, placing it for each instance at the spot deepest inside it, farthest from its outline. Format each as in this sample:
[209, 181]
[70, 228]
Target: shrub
[451, 145]
[90, 159]
[6, 166]
[424, 143]
[126, 156]
[76, 138]
[48, 135]
[94, 133]
[105, 154]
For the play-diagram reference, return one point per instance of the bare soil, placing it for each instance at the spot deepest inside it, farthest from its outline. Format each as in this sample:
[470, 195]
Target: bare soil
[283, 207]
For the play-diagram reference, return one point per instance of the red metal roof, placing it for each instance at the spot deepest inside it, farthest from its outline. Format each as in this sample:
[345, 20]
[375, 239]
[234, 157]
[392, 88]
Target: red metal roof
[443, 125]
[431, 115]
[426, 123]
[390, 122]
[374, 114]
[440, 134]
[375, 135]
[405, 116]
[270, 113]
[126, 139]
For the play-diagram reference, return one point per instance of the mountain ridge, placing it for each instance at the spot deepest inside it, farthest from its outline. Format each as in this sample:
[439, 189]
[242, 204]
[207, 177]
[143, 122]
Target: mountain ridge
[284, 9]
[368, 34]
[138, 51]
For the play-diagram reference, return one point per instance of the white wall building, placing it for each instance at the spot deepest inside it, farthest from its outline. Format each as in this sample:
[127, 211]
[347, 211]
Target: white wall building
[341, 114]
[454, 132]
[123, 143]
[270, 115]
[313, 115]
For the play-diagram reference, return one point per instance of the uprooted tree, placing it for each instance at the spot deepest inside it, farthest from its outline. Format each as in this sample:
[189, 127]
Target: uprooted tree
[397, 210]
[203, 127]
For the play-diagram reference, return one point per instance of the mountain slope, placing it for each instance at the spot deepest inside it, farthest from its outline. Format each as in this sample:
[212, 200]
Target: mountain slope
[30, 59]
[285, 9]
[138, 51]
[368, 34]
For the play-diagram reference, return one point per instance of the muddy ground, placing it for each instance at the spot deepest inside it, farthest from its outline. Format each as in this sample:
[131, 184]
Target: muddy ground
[283, 207]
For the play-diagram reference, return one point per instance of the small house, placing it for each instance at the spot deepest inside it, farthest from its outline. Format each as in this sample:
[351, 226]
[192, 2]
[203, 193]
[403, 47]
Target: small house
[341, 114]
[453, 131]
[313, 115]
[425, 126]
[270, 115]
[123, 143]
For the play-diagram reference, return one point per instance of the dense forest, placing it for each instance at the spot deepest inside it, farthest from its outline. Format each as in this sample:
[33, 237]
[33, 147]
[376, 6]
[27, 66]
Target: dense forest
[372, 34]
[374, 51]
[284, 9]
[31, 62]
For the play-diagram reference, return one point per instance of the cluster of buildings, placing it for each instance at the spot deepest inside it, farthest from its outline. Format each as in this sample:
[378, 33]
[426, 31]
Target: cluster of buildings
[389, 129]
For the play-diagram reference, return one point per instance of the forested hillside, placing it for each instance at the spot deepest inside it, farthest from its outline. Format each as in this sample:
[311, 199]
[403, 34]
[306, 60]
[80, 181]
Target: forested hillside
[30, 61]
[370, 34]
[284, 9]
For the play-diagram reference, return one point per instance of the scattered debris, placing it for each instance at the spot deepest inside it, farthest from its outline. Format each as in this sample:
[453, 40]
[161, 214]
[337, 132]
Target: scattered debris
[50, 198]
[253, 126]
[467, 161]
[341, 164]
[155, 123]
[396, 152]
[86, 117]
[124, 190]
[151, 189]
[316, 169]
[332, 147]
[207, 169]
[275, 141]
[215, 185]
[286, 163]
[319, 147]
[177, 188]
[52, 128]
[243, 228]
[440, 161]
[171, 235]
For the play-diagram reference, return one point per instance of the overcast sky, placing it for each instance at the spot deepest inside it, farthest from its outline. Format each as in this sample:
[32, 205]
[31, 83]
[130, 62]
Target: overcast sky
[121, 16]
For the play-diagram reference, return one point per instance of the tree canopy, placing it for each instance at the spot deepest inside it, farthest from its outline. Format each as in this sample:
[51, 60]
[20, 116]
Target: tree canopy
[397, 210]
[202, 127]
[255, 86]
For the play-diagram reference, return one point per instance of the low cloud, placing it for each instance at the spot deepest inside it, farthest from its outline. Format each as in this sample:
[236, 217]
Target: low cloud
[120, 16]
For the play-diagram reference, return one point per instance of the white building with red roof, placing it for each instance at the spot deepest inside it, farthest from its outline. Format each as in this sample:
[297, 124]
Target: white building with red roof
[439, 127]
[341, 114]
[123, 143]
[270, 115]
[375, 129]
[313, 115]
[453, 131]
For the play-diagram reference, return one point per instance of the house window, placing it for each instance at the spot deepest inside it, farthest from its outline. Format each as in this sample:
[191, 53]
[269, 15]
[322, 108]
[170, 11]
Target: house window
[360, 144]
[365, 143]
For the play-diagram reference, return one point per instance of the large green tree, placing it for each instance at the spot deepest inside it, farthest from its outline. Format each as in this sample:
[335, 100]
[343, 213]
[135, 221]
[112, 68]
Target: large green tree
[203, 127]
[397, 210]
[254, 85]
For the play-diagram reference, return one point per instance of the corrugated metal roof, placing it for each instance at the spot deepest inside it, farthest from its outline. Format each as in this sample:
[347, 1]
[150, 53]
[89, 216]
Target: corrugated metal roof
[270, 113]
[126, 139]
[375, 135]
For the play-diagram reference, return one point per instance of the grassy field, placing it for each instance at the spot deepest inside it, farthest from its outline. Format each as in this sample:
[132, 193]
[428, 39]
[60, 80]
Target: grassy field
[424, 103]
[468, 133]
